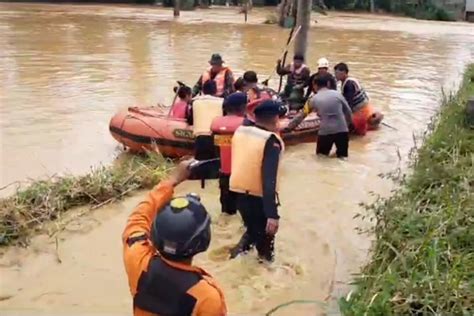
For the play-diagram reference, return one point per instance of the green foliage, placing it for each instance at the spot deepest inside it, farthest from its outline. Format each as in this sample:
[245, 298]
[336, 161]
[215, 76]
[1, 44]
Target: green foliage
[423, 255]
[46, 200]
[425, 10]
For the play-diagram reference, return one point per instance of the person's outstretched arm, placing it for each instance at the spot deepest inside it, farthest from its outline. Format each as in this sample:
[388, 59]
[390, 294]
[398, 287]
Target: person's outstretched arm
[137, 247]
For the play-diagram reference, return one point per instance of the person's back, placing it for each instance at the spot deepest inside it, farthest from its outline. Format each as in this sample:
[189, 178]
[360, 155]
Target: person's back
[193, 290]
[223, 128]
[158, 256]
[333, 111]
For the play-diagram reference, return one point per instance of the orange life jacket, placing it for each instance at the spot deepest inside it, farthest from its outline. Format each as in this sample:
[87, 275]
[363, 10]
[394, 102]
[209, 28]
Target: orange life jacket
[223, 128]
[219, 79]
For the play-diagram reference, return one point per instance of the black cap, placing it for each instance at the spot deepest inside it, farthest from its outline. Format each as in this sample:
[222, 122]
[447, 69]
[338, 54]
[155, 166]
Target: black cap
[235, 100]
[216, 59]
[267, 108]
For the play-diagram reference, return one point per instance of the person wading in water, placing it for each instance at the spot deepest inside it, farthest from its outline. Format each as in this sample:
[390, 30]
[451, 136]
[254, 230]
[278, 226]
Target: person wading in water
[161, 237]
[256, 152]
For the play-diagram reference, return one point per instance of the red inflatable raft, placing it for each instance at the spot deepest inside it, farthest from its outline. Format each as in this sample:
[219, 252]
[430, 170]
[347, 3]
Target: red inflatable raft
[138, 127]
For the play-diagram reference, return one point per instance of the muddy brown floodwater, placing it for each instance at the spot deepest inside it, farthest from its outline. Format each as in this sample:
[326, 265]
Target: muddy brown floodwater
[64, 70]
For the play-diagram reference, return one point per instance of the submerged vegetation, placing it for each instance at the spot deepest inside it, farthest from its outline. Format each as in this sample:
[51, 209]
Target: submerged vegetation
[423, 256]
[46, 200]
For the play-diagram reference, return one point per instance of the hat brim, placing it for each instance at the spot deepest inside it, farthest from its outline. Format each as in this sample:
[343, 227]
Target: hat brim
[214, 62]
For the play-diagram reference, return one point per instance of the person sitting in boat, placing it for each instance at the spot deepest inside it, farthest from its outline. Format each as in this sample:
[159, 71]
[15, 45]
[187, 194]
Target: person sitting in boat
[250, 80]
[239, 85]
[256, 96]
[180, 107]
[223, 127]
[323, 70]
[205, 108]
[297, 75]
[364, 117]
[221, 75]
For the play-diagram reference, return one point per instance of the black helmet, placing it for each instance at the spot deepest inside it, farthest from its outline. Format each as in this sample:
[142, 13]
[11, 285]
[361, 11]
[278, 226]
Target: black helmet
[182, 228]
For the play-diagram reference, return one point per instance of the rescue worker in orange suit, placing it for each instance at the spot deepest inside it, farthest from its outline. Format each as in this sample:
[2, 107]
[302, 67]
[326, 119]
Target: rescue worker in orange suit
[256, 154]
[364, 116]
[204, 109]
[223, 128]
[222, 76]
[160, 239]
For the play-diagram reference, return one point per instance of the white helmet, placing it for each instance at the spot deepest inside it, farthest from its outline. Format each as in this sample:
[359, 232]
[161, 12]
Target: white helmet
[323, 63]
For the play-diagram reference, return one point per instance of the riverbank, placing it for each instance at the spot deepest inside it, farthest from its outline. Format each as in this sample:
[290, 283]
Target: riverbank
[422, 260]
[41, 201]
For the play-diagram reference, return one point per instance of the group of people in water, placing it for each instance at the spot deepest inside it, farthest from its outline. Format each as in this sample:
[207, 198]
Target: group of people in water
[218, 81]
[237, 124]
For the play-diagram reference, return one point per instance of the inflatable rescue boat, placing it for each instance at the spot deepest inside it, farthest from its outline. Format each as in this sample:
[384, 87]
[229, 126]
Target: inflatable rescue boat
[137, 128]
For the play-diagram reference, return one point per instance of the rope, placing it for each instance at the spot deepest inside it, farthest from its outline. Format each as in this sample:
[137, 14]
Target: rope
[270, 312]
[159, 134]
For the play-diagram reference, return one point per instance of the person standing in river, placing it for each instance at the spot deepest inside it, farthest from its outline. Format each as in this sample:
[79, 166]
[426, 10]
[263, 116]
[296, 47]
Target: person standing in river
[222, 76]
[203, 110]
[223, 127]
[160, 239]
[256, 152]
[335, 116]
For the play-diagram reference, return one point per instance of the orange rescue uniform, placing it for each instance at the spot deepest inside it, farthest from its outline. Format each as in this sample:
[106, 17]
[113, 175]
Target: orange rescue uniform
[160, 286]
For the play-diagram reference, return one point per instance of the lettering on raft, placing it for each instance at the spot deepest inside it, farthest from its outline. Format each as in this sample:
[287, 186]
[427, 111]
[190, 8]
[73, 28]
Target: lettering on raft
[183, 133]
[308, 124]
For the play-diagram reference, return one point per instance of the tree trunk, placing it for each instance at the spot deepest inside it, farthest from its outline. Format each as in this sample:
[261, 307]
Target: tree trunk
[282, 12]
[372, 6]
[303, 19]
[177, 5]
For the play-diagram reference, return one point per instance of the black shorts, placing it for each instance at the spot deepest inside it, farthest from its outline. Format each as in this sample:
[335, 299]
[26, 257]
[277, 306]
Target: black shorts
[325, 143]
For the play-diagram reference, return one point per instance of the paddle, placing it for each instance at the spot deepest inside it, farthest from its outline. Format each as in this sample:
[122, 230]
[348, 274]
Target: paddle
[283, 61]
[284, 52]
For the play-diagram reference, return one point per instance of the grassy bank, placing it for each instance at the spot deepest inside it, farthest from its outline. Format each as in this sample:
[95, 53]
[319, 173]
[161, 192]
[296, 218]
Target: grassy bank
[423, 256]
[25, 211]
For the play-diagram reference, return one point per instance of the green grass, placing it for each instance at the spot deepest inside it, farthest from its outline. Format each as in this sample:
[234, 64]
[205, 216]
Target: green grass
[423, 256]
[25, 211]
